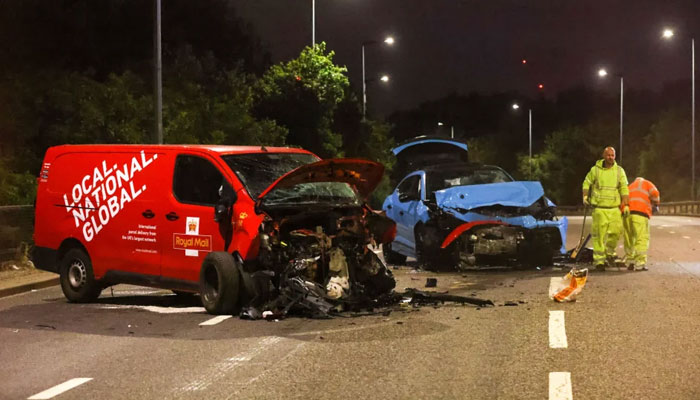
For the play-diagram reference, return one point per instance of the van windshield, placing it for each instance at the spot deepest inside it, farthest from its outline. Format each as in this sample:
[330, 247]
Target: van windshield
[257, 171]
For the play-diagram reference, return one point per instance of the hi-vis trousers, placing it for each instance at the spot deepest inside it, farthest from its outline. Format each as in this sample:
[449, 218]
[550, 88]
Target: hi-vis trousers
[636, 239]
[605, 232]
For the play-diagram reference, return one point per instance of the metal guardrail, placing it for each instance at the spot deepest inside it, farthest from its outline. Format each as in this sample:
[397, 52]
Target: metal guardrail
[681, 208]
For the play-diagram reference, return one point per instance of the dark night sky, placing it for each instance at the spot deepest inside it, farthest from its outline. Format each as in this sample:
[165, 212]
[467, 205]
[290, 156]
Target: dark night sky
[461, 46]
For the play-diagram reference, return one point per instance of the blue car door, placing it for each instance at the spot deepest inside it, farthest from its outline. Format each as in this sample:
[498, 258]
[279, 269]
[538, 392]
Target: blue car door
[402, 208]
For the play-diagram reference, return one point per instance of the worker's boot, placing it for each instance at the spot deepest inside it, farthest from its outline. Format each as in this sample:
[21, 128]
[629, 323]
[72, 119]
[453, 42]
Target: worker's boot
[600, 267]
[610, 261]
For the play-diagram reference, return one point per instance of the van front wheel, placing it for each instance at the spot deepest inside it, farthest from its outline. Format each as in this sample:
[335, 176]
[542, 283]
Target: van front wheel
[219, 283]
[77, 279]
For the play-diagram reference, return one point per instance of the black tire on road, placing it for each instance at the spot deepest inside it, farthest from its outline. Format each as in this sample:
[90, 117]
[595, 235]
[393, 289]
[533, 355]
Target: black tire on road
[392, 257]
[77, 279]
[219, 283]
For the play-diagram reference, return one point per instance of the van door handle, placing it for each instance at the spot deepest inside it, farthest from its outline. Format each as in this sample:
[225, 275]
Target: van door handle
[171, 216]
[400, 212]
[148, 214]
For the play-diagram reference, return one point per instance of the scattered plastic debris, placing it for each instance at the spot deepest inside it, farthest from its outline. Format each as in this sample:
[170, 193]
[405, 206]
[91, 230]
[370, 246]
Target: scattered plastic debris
[568, 288]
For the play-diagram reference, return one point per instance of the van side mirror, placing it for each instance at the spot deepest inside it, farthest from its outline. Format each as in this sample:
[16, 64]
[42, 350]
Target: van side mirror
[222, 209]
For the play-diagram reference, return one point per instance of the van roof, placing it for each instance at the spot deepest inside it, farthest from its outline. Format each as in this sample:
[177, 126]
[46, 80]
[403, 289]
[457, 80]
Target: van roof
[221, 149]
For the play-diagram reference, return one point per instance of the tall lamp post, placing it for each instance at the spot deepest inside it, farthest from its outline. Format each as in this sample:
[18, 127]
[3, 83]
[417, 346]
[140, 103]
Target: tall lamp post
[452, 129]
[313, 23]
[602, 73]
[668, 34]
[515, 106]
[390, 41]
[157, 75]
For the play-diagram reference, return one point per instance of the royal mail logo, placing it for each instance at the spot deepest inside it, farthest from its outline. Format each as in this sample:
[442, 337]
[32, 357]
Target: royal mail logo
[191, 242]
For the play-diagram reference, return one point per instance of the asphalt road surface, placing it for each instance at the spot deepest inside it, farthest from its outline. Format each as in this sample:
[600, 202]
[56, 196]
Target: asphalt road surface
[630, 335]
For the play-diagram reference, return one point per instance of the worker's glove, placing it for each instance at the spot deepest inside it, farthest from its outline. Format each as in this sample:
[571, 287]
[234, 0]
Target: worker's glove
[585, 200]
[626, 211]
[654, 209]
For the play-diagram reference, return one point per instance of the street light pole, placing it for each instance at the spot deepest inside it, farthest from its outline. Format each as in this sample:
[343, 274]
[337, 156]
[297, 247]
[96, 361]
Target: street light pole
[364, 84]
[313, 23]
[157, 72]
[529, 124]
[692, 129]
[390, 41]
[622, 96]
[603, 73]
[668, 34]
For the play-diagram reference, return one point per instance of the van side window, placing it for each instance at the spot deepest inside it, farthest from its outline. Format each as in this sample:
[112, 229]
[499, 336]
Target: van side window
[196, 181]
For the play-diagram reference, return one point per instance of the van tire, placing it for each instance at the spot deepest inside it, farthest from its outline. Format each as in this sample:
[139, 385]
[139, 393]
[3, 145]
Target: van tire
[219, 283]
[77, 278]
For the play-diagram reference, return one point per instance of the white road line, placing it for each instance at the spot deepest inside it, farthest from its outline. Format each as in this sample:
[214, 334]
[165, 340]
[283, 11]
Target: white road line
[215, 320]
[58, 389]
[560, 386]
[671, 232]
[557, 330]
[157, 309]
[686, 237]
[220, 369]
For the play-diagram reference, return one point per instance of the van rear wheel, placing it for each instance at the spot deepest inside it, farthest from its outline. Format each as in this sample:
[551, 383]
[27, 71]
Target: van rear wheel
[77, 278]
[219, 282]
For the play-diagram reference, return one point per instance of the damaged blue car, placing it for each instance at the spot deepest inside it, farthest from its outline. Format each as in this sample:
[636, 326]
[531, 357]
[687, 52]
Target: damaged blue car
[452, 213]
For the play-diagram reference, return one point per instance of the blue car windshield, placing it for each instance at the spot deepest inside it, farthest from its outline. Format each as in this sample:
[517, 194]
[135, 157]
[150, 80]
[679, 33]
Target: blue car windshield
[447, 178]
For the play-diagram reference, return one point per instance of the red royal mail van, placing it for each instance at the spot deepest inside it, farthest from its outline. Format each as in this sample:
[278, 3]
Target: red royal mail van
[202, 219]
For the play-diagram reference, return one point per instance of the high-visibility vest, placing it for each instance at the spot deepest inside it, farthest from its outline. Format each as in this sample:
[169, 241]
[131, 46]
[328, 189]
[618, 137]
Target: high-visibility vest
[606, 186]
[642, 194]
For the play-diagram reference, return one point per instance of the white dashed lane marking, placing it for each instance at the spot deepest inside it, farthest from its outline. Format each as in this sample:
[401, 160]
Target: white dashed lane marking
[58, 389]
[227, 366]
[671, 232]
[686, 237]
[560, 386]
[158, 309]
[215, 320]
[557, 330]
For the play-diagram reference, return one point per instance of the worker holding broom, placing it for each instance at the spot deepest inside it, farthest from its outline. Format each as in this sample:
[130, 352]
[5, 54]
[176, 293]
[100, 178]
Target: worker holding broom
[605, 189]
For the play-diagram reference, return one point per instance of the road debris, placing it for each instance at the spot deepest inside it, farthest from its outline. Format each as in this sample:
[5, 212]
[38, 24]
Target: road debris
[568, 288]
[421, 297]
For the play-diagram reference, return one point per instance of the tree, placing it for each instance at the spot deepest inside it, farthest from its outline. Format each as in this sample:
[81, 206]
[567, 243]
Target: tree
[204, 103]
[667, 156]
[302, 95]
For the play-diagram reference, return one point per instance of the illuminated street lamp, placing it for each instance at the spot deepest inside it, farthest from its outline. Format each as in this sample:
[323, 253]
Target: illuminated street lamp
[452, 129]
[515, 106]
[668, 34]
[389, 41]
[602, 73]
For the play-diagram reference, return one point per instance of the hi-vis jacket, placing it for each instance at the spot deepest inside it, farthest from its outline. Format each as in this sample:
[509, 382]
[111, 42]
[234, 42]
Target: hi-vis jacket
[642, 194]
[606, 186]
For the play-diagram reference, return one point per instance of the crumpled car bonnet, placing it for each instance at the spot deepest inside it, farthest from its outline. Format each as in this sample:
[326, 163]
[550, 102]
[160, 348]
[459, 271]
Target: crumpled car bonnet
[513, 194]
